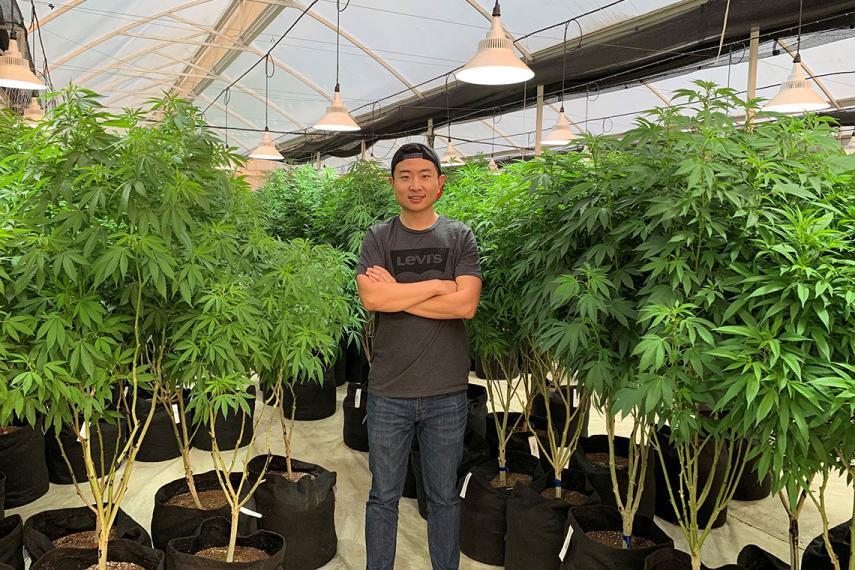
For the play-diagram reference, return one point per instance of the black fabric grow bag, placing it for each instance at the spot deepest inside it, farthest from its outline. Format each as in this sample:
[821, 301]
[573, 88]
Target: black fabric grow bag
[536, 524]
[315, 400]
[355, 431]
[2, 495]
[228, 429]
[750, 487]
[601, 478]
[22, 460]
[752, 557]
[476, 397]
[43, 528]
[672, 470]
[12, 542]
[816, 554]
[475, 452]
[159, 442]
[180, 554]
[494, 368]
[169, 521]
[483, 509]
[340, 366]
[107, 438]
[117, 551]
[673, 559]
[356, 365]
[587, 554]
[303, 512]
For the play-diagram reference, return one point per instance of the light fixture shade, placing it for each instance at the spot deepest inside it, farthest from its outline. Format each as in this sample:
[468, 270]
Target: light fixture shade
[34, 112]
[15, 70]
[495, 62]
[561, 133]
[337, 118]
[452, 156]
[796, 95]
[266, 150]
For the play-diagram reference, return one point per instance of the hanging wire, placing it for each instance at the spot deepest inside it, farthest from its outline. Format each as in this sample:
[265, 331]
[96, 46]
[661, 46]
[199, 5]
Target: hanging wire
[447, 107]
[45, 68]
[269, 70]
[338, 11]
[226, 98]
[493, 140]
[799, 37]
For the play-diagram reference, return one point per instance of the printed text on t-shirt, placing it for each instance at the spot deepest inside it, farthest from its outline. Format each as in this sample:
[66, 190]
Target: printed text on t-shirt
[419, 260]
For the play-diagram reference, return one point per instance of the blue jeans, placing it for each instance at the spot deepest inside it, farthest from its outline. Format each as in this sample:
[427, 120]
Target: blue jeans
[439, 423]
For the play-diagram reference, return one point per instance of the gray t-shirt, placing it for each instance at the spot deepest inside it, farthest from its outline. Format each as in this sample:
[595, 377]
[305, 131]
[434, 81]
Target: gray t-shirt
[414, 356]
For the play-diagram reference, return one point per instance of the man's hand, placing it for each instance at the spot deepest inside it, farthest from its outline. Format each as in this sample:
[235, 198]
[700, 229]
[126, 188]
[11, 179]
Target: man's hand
[381, 275]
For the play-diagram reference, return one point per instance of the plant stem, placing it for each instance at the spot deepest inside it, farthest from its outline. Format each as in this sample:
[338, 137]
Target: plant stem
[230, 554]
[696, 561]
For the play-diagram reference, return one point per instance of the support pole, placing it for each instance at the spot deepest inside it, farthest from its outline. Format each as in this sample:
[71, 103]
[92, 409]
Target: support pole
[538, 123]
[753, 56]
[318, 160]
[431, 138]
[362, 151]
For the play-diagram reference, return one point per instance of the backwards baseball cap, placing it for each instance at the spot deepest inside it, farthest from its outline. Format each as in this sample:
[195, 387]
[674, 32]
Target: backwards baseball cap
[415, 150]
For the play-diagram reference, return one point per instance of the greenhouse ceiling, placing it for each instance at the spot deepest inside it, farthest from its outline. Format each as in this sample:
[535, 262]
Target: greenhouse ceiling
[397, 59]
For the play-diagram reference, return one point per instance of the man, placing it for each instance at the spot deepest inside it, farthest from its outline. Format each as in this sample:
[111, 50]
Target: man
[420, 273]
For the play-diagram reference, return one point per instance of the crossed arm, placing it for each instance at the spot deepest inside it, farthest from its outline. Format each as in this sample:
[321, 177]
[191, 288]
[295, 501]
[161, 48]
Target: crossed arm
[432, 299]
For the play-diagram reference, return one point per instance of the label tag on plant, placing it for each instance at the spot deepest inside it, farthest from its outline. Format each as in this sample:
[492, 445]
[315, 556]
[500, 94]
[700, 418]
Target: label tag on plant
[358, 401]
[465, 485]
[126, 391]
[576, 397]
[532, 445]
[250, 513]
[566, 545]
[83, 433]
[175, 415]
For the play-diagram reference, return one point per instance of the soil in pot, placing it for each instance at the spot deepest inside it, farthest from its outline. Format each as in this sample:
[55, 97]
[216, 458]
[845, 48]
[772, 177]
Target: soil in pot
[592, 458]
[22, 460]
[672, 469]
[107, 438]
[228, 429]
[301, 510]
[512, 479]
[12, 542]
[74, 528]
[597, 540]
[122, 555]
[536, 521]
[475, 452]
[177, 521]
[209, 500]
[672, 559]
[752, 557]
[483, 509]
[816, 554]
[576, 491]
[315, 400]
[355, 431]
[206, 549]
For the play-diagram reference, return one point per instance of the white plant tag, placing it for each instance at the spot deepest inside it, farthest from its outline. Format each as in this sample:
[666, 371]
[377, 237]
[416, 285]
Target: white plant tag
[465, 485]
[566, 545]
[532, 445]
[175, 415]
[83, 433]
[576, 397]
[250, 513]
[358, 401]
[126, 391]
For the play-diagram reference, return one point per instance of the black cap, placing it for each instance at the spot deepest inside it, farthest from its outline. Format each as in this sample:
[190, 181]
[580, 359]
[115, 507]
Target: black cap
[415, 150]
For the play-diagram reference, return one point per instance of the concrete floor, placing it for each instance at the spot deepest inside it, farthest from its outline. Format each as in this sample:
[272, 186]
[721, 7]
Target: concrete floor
[761, 522]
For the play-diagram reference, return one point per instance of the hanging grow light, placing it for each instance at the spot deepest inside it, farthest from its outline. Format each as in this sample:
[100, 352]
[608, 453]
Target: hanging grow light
[495, 62]
[15, 69]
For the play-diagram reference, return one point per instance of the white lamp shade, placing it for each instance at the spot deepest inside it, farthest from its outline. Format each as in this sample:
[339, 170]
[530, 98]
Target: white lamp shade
[796, 95]
[560, 134]
[34, 112]
[452, 156]
[495, 62]
[337, 118]
[266, 150]
[15, 70]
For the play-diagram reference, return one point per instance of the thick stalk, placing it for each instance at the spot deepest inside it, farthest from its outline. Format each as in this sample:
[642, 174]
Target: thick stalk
[558, 490]
[793, 517]
[230, 554]
[184, 443]
[696, 561]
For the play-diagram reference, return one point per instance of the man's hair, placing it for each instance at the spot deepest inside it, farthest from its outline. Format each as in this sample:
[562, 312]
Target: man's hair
[415, 150]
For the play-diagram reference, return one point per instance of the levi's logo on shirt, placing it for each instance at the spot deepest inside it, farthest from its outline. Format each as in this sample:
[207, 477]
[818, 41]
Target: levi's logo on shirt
[419, 260]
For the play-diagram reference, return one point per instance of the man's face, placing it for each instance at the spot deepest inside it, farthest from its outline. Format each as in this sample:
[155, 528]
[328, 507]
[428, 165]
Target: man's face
[417, 184]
